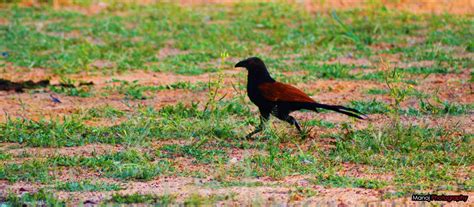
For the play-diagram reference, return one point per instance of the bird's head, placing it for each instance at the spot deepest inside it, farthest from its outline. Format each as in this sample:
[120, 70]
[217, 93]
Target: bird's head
[256, 69]
[252, 64]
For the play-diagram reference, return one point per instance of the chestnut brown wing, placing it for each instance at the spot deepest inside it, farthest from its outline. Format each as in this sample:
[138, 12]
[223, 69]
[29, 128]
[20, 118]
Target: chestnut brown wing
[280, 92]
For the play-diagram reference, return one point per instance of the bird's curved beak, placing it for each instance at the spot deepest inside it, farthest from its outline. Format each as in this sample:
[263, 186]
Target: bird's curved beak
[240, 64]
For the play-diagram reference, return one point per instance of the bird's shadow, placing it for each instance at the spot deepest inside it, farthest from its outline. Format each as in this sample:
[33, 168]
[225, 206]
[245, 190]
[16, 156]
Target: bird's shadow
[19, 87]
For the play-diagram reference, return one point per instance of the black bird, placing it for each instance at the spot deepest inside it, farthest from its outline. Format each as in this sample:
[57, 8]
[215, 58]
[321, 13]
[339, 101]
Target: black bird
[279, 99]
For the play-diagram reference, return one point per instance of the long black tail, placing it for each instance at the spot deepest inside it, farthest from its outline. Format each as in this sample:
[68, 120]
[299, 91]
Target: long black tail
[341, 109]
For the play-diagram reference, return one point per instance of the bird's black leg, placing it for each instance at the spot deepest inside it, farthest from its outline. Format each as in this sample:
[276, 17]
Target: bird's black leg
[292, 121]
[263, 119]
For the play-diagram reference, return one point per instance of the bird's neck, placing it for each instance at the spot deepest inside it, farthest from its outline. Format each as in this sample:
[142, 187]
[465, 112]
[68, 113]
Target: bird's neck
[258, 77]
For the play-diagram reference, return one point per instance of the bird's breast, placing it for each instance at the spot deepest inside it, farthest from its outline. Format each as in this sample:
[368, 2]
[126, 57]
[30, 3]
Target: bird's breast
[255, 95]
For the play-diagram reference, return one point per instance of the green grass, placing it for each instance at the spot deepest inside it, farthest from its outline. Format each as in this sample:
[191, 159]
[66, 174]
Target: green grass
[127, 165]
[408, 92]
[226, 184]
[163, 200]
[106, 111]
[144, 126]
[70, 88]
[412, 152]
[377, 91]
[443, 108]
[371, 107]
[42, 197]
[135, 91]
[346, 181]
[87, 185]
[426, 70]
[200, 155]
[199, 200]
[69, 42]
[5, 156]
[424, 108]
[332, 71]
[127, 37]
[319, 123]
[277, 163]
[32, 171]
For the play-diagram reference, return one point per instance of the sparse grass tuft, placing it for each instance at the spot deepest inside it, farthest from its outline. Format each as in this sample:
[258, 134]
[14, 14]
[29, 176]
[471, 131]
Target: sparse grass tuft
[126, 165]
[279, 163]
[371, 107]
[163, 200]
[40, 198]
[87, 185]
[199, 200]
[201, 155]
[30, 171]
[135, 91]
[345, 181]
[330, 71]
[396, 148]
[70, 88]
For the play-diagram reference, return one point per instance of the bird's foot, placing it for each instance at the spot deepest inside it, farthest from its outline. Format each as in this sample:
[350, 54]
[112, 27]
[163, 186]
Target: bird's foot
[249, 136]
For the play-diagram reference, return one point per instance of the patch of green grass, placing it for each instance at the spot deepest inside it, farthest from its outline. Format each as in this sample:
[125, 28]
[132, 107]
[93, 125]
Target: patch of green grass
[30, 171]
[393, 195]
[299, 192]
[201, 155]
[427, 70]
[319, 123]
[135, 91]
[5, 155]
[163, 200]
[375, 76]
[377, 91]
[70, 88]
[145, 125]
[408, 92]
[445, 108]
[127, 165]
[141, 171]
[371, 107]
[226, 184]
[103, 112]
[425, 108]
[199, 200]
[69, 132]
[87, 185]
[330, 71]
[190, 121]
[132, 90]
[40, 198]
[419, 156]
[278, 163]
[346, 181]
[70, 42]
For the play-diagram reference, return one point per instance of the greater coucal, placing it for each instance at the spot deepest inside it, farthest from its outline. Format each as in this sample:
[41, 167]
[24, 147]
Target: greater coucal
[279, 99]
